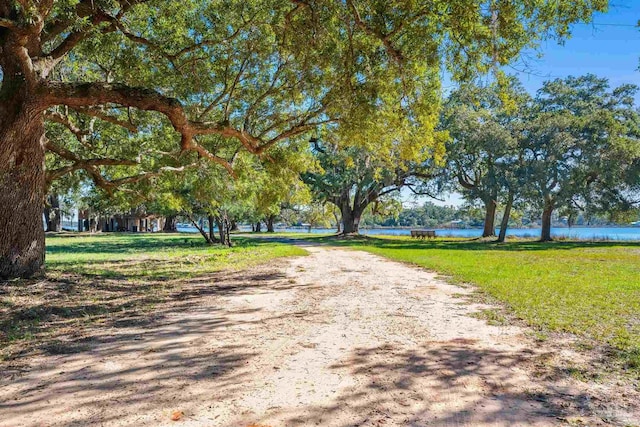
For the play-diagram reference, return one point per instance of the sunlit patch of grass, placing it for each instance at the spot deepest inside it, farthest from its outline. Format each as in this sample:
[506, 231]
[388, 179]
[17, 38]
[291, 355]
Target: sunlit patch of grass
[165, 256]
[492, 317]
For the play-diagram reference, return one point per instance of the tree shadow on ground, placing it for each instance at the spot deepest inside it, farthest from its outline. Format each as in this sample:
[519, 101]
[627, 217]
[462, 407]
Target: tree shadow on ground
[138, 336]
[164, 365]
[68, 313]
[115, 290]
[443, 384]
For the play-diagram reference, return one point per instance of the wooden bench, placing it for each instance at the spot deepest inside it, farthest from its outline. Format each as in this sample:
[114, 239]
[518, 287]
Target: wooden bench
[421, 234]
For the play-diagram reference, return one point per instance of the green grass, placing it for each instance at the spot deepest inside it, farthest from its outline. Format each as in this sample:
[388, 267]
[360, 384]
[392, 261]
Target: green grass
[132, 256]
[591, 289]
[95, 283]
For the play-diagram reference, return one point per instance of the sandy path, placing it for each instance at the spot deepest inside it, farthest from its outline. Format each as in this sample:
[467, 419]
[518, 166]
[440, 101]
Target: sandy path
[338, 338]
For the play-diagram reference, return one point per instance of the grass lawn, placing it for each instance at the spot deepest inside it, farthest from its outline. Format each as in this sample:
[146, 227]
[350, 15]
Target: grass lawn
[100, 280]
[164, 256]
[591, 289]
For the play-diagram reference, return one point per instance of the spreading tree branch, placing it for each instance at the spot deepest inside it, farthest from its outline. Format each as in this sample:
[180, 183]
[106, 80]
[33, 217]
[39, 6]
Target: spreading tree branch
[385, 39]
[89, 165]
[102, 115]
[56, 117]
[82, 95]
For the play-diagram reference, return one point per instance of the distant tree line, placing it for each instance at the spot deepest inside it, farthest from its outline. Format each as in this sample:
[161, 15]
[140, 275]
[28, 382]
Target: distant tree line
[430, 215]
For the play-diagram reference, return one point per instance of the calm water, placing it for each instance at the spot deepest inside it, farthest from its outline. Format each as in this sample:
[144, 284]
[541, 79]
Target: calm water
[584, 233]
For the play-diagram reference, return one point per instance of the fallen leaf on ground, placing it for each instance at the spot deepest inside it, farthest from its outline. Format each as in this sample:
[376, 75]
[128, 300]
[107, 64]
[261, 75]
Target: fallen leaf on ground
[176, 415]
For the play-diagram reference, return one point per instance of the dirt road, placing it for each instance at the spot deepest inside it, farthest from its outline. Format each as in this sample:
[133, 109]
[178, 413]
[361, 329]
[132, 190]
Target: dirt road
[338, 338]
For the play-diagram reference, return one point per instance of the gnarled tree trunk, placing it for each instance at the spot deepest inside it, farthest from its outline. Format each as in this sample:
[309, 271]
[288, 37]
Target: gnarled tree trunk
[170, 224]
[547, 211]
[350, 218]
[270, 220]
[21, 199]
[505, 217]
[22, 175]
[224, 226]
[52, 216]
[352, 209]
[489, 217]
[258, 227]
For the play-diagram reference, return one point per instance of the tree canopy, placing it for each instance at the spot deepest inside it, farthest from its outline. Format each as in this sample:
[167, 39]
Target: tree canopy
[580, 146]
[482, 153]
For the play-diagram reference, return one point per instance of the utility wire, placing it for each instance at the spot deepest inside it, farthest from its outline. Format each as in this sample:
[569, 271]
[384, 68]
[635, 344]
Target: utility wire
[595, 24]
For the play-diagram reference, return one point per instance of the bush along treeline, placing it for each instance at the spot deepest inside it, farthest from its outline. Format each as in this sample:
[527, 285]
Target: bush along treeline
[166, 113]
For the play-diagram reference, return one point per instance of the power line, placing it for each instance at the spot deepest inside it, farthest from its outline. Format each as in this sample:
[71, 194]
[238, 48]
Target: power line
[595, 24]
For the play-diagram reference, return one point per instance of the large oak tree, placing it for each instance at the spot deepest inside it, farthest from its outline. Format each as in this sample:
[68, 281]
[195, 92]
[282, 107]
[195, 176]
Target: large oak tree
[482, 154]
[581, 147]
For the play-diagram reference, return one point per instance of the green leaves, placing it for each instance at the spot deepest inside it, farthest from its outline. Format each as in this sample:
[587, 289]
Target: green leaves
[584, 143]
[363, 74]
[483, 152]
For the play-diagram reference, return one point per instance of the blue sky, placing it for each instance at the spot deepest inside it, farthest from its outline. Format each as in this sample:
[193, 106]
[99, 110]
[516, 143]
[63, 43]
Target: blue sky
[608, 47]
